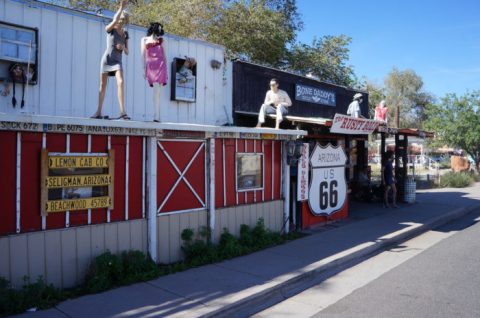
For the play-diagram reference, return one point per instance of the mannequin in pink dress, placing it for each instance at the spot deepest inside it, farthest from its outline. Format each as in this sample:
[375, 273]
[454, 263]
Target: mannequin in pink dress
[155, 63]
[381, 111]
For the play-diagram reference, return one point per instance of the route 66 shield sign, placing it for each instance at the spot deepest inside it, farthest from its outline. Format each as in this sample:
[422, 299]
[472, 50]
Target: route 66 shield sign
[328, 187]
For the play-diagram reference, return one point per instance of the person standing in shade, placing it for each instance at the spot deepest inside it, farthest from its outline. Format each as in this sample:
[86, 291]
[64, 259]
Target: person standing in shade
[388, 180]
[276, 102]
[111, 64]
[354, 107]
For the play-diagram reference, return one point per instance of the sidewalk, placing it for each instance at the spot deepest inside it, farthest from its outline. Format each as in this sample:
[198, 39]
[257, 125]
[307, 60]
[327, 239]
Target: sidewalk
[244, 285]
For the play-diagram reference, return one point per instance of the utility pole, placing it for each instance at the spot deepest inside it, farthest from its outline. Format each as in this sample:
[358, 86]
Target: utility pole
[397, 115]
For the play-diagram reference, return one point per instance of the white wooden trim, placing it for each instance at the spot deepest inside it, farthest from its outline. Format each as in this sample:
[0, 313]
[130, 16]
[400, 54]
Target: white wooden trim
[152, 197]
[109, 146]
[89, 150]
[67, 213]
[44, 146]
[143, 176]
[148, 128]
[212, 188]
[127, 160]
[180, 212]
[182, 140]
[18, 181]
[78, 154]
[224, 177]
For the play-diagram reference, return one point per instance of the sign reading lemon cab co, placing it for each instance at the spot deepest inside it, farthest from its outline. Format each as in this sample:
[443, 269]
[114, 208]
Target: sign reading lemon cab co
[73, 182]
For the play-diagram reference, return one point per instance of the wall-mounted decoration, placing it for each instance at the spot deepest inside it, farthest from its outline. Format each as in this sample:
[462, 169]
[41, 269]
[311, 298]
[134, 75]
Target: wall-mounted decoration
[249, 171]
[302, 174]
[184, 83]
[18, 46]
[76, 181]
[328, 187]
[315, 95]
[215, 64]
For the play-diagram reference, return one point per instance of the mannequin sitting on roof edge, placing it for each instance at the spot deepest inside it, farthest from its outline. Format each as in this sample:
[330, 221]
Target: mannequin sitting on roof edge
[276, 102]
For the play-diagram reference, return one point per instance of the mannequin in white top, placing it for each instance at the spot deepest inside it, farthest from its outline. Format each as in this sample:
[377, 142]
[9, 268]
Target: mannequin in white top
[276, 102]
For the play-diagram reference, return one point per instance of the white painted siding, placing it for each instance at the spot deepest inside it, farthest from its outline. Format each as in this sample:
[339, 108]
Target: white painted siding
[71, 45]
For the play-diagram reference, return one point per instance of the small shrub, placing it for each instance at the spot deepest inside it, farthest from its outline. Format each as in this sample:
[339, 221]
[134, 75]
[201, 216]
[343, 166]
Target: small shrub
[104, 273]
[229, 246]
[138, 267]
[246, 237]
[108, 270]
[187, 235]
[197, 252]
[455, 180]
[38, 294]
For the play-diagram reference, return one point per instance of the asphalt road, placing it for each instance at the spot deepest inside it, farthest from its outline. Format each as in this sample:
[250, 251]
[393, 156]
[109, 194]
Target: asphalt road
[435, 274]
[441, 281]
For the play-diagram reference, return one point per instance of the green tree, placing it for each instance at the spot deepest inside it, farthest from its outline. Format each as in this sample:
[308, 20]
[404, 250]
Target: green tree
[456, 122]
[325, 59]
[405, 98]
[376, 93]
[256, 30]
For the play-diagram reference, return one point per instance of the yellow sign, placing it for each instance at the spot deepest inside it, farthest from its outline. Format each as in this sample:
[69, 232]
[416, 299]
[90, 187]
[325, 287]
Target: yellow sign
[71, 189]
[77, 204]
[62, 162]
[78, 181]
[268, 136]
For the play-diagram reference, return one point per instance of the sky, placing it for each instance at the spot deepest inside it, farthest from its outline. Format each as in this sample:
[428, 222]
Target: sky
[439, 40]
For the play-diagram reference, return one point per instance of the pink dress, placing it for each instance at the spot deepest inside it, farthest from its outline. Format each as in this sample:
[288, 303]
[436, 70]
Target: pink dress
[381, 113]
[156, 66]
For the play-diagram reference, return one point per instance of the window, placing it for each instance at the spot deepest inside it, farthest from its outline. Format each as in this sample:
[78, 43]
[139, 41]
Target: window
[184, 79]
[249, 171]
[19, 45]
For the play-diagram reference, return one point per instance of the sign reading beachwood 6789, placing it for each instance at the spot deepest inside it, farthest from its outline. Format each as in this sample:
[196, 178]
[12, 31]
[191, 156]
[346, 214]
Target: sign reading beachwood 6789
[328, 187]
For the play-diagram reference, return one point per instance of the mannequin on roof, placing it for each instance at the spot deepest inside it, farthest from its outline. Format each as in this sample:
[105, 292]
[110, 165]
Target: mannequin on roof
[155, 62]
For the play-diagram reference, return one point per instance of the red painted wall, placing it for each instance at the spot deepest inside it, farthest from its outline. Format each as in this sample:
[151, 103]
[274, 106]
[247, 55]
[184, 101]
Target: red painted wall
[180, 155]
[31, 145]
[8, 157]
[309, 219]
[248, 197]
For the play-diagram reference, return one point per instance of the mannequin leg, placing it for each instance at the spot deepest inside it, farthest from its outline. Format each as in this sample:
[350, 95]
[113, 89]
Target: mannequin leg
[101, 93]
[156, 102]
[120, 92]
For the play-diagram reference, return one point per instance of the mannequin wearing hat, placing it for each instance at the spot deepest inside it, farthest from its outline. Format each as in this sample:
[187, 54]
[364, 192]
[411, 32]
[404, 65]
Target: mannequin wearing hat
[381, 111]
[354, 107]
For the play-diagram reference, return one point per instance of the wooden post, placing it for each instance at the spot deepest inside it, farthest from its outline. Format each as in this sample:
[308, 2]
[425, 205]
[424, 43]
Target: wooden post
[152, 197]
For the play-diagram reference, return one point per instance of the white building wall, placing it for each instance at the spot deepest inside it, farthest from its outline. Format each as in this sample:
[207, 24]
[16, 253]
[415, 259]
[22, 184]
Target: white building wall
[71, 44]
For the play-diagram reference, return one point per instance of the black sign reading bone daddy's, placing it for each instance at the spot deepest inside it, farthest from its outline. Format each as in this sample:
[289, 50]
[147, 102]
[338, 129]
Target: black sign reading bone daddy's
[315, 95]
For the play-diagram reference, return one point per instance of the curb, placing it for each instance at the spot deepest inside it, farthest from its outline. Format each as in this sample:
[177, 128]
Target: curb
[313, 273]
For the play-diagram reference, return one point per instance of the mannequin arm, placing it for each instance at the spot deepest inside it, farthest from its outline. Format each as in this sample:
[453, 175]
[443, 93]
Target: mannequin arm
[116, 17]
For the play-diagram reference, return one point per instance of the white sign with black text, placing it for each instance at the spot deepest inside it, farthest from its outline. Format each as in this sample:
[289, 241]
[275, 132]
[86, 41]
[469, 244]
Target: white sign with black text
[302, 176]
[328, 187]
